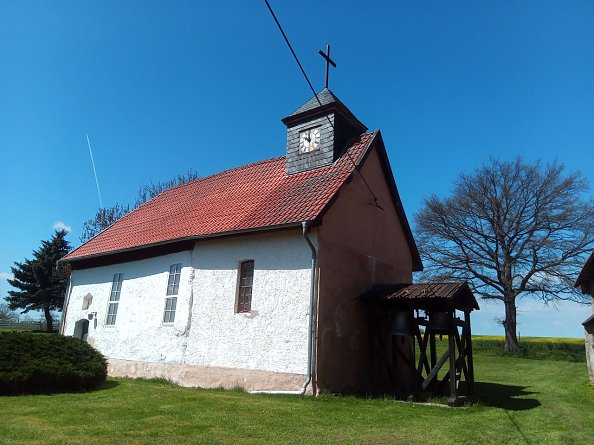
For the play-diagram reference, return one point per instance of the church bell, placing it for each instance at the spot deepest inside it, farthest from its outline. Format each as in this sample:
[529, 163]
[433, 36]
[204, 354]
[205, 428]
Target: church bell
[400, 323]
[438, 322]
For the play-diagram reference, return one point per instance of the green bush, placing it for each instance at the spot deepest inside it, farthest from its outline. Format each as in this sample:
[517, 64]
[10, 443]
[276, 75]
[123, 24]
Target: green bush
[46, 363]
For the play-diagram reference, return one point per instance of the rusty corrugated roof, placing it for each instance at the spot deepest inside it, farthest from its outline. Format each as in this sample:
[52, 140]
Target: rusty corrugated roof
[453, 292]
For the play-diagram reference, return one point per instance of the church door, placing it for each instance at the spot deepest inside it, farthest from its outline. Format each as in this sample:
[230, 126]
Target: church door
[81, 329]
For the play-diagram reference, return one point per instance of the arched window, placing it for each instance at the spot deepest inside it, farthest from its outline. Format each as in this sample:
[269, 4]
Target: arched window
[87, 300]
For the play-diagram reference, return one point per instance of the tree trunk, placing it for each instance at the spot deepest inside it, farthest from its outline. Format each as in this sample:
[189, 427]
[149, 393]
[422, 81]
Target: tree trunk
[509, 324]
[48, 319]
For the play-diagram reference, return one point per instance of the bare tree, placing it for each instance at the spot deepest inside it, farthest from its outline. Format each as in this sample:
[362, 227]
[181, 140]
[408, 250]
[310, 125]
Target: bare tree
[148, 192]
[6, 314]
[510, 229]
[105, 217]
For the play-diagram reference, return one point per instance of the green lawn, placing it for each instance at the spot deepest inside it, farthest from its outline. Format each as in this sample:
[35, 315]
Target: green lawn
[521, 401]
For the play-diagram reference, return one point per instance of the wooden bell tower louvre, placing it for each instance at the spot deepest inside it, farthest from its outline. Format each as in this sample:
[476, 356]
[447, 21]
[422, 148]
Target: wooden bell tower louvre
[405, 320]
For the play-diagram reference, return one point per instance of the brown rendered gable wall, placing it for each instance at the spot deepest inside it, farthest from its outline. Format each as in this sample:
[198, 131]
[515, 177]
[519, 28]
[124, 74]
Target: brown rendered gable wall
[585, 279]
[586, 282]
[359, 245]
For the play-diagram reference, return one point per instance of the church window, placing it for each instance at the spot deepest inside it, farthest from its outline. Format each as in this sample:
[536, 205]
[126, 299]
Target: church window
[170, 304]
[173, 283]
[244, 286]
[114, 299]
[172, 291]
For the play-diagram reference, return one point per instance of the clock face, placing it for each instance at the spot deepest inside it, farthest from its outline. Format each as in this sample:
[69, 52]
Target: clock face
[309, 140]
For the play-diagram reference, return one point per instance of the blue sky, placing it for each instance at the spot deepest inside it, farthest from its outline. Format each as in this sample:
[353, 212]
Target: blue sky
[163, 87]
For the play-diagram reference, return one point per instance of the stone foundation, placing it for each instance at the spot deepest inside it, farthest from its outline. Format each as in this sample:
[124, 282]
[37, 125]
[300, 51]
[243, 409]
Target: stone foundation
[207, 376]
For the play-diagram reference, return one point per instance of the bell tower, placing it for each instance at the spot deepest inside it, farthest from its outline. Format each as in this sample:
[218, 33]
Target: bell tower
[318, 132]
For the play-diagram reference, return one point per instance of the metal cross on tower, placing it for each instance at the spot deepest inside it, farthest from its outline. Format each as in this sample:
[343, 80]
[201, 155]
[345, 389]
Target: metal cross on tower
[329, 61]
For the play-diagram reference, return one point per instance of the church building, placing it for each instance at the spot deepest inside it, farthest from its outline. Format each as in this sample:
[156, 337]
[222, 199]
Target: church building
[251, 277]
[585, 282]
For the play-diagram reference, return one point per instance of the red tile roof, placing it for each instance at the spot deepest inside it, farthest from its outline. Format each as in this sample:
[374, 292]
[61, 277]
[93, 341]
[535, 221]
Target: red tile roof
[254, 196]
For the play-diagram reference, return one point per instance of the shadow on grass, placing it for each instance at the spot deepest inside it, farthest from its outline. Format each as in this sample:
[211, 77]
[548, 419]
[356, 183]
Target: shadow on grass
[108, 384]
[505, 396]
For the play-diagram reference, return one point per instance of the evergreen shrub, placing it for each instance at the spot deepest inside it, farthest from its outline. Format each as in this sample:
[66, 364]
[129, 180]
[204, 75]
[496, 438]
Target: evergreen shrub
[37, 363]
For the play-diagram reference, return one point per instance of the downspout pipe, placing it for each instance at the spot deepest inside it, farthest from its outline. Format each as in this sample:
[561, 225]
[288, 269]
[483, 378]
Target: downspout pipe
[311, 336]
[313, 302]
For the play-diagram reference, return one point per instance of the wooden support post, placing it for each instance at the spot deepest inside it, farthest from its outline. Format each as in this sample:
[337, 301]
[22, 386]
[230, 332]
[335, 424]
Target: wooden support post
[433, 350]
[433, 358]
[452, 350]
[413, 370]
[469, 360]
[461, 350]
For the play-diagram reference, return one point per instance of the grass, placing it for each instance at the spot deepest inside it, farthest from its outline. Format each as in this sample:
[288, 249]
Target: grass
[520, 401]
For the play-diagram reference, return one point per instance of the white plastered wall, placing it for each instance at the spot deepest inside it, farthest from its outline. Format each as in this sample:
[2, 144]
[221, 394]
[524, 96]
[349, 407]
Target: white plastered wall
[138, 333]
[207, 330]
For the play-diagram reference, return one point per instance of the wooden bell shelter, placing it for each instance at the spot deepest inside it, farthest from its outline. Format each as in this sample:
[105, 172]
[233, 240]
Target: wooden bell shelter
[404, 321]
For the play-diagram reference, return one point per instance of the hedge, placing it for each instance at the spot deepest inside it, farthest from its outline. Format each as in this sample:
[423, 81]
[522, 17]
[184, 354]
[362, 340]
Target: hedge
[37, 363]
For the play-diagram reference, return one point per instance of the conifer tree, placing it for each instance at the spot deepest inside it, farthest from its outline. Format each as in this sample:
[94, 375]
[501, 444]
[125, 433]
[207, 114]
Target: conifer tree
[41, 282]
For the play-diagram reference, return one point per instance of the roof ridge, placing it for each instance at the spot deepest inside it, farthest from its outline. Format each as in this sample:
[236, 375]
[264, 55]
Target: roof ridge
[239, 167]
[281, 199]
[351, 142]
[179, 186]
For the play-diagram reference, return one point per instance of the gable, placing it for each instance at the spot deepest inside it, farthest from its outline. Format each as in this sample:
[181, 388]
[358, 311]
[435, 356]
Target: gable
[366, 221]
[585, 278]
[417, 264]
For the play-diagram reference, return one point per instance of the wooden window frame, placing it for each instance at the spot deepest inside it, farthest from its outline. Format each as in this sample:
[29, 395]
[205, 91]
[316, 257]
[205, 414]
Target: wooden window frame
[173, 279]
[170, 308]
[114, 299]
[245, 286]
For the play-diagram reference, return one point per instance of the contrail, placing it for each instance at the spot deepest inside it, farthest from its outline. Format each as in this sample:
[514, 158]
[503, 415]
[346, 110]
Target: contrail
[94, 171]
